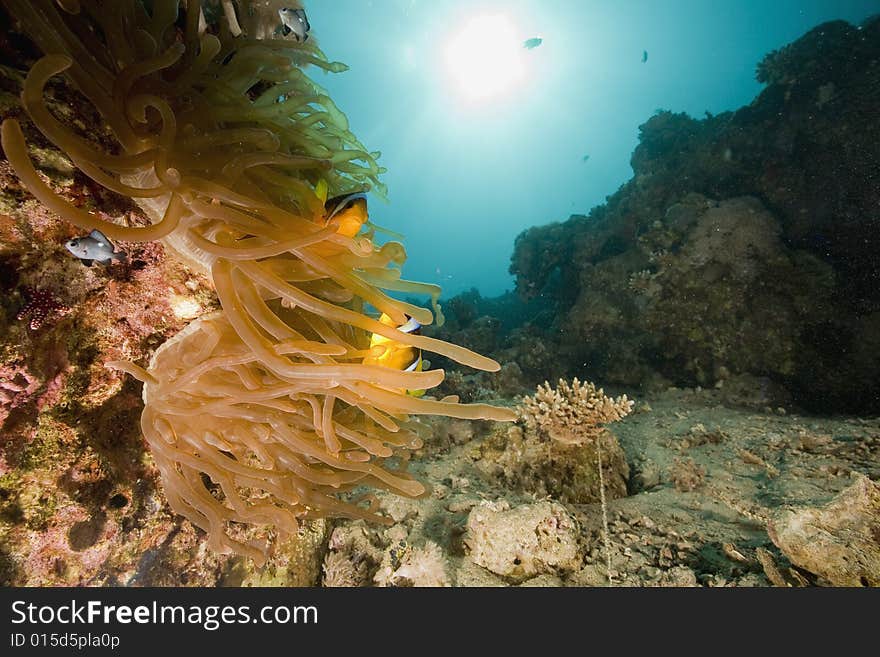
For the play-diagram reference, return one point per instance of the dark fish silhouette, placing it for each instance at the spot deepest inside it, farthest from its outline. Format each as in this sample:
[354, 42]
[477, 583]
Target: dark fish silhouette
[644, 56]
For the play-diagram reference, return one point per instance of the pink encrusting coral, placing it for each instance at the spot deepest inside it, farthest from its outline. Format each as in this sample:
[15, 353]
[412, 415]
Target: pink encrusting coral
[70, 448]
[17, 385]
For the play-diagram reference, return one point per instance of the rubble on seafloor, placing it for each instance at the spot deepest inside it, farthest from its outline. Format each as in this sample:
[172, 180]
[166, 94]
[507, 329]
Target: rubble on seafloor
[707, 486]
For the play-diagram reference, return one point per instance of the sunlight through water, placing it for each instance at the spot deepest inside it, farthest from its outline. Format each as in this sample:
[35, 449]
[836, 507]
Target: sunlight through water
[485, 59]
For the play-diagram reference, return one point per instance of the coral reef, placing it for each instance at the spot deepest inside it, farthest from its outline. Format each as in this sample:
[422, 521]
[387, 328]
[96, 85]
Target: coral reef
[839, 542]
[295, 561]
[522, 542]
[709, 483]
[359, 556]
[708, 293]
[743, 248]
[526, 461]
[502, 326]
[352, 559]
[340, 570]
[719, 281]
[189, 128]
[556, 450]
[413, 566]
[79, 501]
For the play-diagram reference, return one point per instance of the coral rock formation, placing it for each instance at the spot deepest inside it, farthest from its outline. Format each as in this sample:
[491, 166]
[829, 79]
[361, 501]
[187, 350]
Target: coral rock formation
[524, 541]
[839, 542]
[744, 244]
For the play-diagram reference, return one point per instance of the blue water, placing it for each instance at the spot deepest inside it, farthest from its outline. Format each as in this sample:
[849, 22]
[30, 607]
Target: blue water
[466, 177]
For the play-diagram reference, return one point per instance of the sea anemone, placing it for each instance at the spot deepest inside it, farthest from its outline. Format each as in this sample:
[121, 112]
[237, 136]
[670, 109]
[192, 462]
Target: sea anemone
[262, 413]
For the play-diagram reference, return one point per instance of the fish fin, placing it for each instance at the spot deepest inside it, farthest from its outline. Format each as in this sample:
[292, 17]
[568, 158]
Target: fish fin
[120, 255]
[412, 326]
[416, 365]
[285, 30]
[87, 262]
[301, 14]
[98, 235]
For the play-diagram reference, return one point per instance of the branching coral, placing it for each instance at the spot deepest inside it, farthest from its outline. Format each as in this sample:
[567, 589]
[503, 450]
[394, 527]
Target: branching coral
[575, 414]
[572, 413]
[260, 414]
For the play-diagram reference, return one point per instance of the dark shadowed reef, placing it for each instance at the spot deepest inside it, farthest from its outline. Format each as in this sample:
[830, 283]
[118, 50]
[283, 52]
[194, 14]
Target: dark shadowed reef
[742, 253]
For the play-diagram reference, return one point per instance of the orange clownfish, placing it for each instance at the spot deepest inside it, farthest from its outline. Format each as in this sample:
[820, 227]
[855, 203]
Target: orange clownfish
[391, 353]
[350, 210]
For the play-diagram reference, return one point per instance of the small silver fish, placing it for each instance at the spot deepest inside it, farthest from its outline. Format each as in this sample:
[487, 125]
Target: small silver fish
[94, 247]
[534, 42]
[296, 21]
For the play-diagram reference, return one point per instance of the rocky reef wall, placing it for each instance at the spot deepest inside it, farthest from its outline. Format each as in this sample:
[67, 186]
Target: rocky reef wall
[743, 251]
